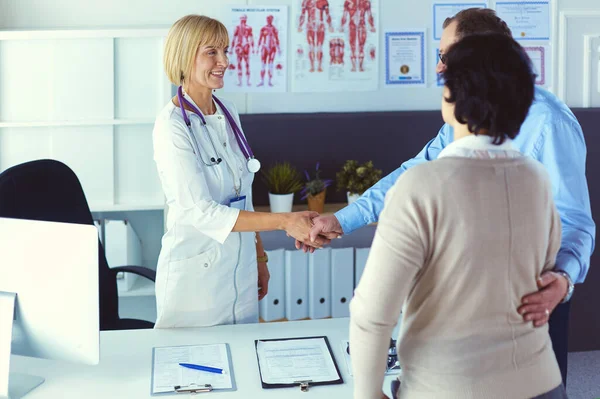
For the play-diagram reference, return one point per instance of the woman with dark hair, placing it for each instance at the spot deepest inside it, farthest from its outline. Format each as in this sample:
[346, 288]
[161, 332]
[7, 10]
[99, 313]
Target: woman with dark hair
[460, 241]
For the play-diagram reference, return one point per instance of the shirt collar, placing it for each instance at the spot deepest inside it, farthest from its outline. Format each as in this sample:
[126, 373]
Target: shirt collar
[473, 144]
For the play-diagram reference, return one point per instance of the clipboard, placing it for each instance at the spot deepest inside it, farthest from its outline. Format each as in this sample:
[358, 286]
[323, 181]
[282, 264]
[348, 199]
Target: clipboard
[193, 388]
[303, 384]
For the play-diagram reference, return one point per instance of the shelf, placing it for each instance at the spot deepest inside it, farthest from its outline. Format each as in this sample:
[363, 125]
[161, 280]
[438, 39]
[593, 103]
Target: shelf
[87, 122]
[126, 207]
[92, 33]
[328, 209]
[141, 287]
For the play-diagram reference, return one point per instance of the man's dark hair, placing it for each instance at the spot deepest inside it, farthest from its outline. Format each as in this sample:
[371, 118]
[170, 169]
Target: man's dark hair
[491, 84]
[478, 20]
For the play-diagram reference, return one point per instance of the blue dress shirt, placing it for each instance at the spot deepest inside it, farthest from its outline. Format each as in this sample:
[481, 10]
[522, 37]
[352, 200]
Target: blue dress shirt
[552, 135]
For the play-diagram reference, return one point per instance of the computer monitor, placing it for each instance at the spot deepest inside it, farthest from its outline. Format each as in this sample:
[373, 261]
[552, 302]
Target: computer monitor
[49, 277]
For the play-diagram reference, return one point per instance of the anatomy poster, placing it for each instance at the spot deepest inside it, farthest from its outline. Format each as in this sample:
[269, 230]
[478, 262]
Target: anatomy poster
[335, 45]
[258, 49]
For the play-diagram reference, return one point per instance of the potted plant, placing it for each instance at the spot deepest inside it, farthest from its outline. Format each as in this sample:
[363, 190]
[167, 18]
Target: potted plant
[356, 179]
[282, 180]
[314, 190]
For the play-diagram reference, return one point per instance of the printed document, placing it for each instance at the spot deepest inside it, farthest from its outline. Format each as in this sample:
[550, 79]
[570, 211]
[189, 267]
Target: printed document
[167, 373]
[289, 361]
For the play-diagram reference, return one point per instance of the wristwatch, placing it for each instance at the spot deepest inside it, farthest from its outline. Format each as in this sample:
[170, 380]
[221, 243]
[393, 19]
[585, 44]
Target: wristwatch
[570, 288]
[262, 259]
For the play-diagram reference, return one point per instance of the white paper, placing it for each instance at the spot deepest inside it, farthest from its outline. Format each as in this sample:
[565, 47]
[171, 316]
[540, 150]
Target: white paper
[528, 20]
[258, 49]
[286, 362]
[540, 58]
[441, 11]
[405, 58]
[168, 373]
[335, 45]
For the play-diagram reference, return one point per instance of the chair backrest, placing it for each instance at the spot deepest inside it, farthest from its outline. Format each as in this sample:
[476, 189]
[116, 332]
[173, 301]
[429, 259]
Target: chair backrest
[49, 190]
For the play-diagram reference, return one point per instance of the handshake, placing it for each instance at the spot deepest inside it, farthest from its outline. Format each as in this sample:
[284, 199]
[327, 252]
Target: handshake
[311, 230]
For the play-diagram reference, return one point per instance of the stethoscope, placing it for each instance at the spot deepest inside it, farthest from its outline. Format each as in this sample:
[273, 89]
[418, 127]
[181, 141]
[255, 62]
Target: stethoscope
[252, 163]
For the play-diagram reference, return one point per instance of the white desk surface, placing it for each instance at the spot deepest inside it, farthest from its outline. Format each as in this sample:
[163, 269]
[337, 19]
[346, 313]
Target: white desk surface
[125, 362]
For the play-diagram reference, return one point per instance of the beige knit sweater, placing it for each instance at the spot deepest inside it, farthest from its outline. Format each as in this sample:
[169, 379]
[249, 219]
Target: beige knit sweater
[459, 243]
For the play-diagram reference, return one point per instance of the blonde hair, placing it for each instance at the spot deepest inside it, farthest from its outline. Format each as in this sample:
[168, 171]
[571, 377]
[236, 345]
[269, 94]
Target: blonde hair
[183, 40]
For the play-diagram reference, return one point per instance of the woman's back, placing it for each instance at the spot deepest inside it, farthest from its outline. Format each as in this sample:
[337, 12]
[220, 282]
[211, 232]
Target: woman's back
[462, 239]
[484, 225]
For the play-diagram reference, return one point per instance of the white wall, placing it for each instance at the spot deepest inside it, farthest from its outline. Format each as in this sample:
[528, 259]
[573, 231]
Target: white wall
[583, 19]
[393, 14]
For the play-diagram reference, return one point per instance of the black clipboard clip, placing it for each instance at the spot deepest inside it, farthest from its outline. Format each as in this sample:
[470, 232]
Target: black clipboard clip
[304, 385]
[193, 388]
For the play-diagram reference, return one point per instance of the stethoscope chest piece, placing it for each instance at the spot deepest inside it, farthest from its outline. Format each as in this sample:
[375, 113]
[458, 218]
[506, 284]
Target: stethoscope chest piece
[253, 165]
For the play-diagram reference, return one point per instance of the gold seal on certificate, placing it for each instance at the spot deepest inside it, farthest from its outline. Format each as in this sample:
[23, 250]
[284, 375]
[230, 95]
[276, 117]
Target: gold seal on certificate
[404, 69]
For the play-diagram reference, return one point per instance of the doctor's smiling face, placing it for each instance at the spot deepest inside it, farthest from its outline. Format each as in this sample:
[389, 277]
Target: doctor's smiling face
[210, 65]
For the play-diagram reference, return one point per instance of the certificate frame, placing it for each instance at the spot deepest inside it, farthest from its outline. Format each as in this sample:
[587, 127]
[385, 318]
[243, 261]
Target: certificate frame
[438, 35]
[525, 2]
[388, 80]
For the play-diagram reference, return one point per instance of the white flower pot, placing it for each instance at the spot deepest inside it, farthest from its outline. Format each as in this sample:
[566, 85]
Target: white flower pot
[352, 197]
[281, 203]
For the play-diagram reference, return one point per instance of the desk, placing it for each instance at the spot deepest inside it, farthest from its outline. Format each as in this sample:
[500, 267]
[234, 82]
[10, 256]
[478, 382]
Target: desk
[125, 362]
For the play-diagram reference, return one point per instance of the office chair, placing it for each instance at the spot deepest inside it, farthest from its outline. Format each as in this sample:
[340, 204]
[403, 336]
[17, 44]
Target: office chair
[49, 190]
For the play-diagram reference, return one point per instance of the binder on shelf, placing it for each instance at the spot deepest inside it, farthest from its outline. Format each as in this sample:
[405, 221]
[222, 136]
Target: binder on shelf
[122, 248]
[319, 284]
[296, 285]
[342, 281]
[272, 306]
[361, 256]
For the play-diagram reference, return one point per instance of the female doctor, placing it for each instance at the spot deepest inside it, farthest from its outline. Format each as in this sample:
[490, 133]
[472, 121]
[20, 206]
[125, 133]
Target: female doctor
[212, 266]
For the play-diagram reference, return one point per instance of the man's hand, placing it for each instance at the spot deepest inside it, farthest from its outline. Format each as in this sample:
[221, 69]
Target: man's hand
[324, 227]
[299, 224]
[384, 396]
[263, 280]
[538, 306]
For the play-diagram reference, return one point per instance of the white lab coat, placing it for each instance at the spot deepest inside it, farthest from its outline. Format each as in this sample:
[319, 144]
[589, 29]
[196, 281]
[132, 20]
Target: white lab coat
[206, 274]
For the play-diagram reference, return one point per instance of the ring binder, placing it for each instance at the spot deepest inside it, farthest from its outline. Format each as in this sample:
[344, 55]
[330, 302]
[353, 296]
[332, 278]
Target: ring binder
[304, 385]
[193, 388]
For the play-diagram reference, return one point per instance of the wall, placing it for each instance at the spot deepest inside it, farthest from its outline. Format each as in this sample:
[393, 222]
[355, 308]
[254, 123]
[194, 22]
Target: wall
[399, 14]
[573, 85]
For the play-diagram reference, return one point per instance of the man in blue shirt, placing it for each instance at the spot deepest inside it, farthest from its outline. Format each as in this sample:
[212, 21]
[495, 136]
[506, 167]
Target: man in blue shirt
[552, 135]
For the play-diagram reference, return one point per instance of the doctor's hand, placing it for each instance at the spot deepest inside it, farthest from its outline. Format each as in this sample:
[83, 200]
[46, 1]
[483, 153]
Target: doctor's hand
[538, 307]
[324, 227]
[263, 280]
[298, 225]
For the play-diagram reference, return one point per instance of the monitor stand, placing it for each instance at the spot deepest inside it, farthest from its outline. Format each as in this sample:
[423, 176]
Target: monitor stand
[12, 385]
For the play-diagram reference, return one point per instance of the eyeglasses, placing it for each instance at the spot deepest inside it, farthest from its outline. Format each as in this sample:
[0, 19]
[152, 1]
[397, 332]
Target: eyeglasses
[443, 58]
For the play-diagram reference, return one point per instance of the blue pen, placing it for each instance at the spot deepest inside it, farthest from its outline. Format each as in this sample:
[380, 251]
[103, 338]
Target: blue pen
[202, 368]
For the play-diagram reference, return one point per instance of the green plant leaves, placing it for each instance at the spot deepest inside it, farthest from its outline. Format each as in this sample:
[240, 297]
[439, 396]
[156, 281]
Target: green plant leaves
[357, 178]
[282, 178]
